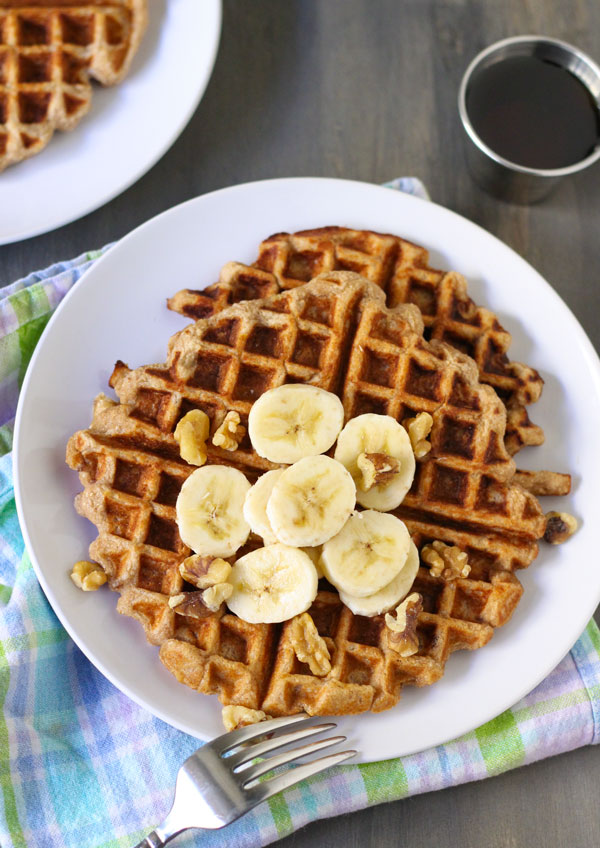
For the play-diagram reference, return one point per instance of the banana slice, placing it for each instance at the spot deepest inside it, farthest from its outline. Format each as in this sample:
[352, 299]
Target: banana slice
[272, 584]
[380, 436]
[315, 555]
[367, 554]
[391, 595]
[255, 505]
[311, 501]
[210, 510]
[293, 421]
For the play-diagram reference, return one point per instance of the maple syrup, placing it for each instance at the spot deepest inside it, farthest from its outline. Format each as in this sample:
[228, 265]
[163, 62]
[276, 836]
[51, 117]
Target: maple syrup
[533, 112]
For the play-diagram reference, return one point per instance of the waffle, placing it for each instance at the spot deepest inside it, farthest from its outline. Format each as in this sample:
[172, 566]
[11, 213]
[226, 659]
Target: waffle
[336, 333]
[49, 50]
[402, 270]
[256, 666]
[128, 459]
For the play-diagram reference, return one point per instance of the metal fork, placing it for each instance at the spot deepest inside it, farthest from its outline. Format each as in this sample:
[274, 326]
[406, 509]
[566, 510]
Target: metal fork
[220, 782]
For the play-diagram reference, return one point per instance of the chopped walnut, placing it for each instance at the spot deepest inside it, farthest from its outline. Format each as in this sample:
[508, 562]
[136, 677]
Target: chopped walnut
[230, 433]
[191, 604]
[418, 429]
[191, 434]
[309, 646]
[402, 636]
[204, 571]
[214, 596]
[446, 561]
[88, 576]
[560, 526]
[235, 717]
[377, 469]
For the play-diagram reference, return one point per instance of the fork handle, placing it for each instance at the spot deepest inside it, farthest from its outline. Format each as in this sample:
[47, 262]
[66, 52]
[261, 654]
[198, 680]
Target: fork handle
[168, 829]
[153, 840]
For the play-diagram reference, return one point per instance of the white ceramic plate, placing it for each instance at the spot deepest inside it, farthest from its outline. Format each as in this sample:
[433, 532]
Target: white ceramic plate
[118, 311]
[127, 129]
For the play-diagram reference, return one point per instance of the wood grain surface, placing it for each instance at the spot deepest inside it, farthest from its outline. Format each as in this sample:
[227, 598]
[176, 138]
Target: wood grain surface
[366, 90]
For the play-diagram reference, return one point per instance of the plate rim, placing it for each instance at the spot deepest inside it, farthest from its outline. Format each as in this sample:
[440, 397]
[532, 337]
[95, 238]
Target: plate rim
[585, 346]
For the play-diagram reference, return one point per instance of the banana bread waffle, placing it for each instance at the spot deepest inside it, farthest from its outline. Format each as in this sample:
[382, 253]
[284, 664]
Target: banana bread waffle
[49, 50]
[335, 333]
[128, 459]
[402, 270]
[255, 665]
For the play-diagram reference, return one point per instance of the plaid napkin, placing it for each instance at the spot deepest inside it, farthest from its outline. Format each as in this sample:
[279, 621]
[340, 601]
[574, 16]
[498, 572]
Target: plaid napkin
[82, 765]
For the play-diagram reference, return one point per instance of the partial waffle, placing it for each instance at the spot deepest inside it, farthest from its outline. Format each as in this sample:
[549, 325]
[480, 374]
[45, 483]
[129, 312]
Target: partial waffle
[49, 50]
[336, 333]
[128, 459]
[255, 665]
[402, 270]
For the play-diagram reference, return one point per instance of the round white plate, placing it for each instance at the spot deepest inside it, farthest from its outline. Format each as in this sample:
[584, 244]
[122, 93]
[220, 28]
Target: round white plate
[127, 129]
[118, 311]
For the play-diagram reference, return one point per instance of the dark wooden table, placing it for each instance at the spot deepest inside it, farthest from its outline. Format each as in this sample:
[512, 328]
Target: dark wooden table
[366, 89]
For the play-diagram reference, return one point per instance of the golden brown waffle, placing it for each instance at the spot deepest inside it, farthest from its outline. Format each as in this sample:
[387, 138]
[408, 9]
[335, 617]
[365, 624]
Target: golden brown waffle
[256, 666]
[402, 270]
[393, 371]
[49, 50]
[128, 459]
[337, 333]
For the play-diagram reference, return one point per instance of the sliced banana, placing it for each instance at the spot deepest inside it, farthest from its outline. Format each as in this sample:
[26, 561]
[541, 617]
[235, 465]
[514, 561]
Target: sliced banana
[311, 501]
[315, 555]
[272, 584]
[210, 510]
[382, 435]
[391, 595]
[255, 505]
[293, 421]
[367, 554]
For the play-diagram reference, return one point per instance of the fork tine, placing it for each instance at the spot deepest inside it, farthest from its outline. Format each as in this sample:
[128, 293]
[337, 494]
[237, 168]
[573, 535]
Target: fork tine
[230, 740]
[271, 787]
[255, 771]
[260, 748]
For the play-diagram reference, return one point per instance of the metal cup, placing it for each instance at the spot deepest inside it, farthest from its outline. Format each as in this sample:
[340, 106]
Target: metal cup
[499, 176]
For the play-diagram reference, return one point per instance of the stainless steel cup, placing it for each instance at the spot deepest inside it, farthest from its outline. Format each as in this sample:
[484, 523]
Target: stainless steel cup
[492, 172]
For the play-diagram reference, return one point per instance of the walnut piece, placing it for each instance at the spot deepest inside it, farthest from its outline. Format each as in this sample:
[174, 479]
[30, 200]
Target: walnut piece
[202, 603]
[377, 469]
[402, 636]
[191, 604]
[88, 576]
[309, 646]
[230, 433]
[446, 561]
[560, 526]
[216, 595]
[204, 571]
[234, 716]
[418, 429]
[191, 434]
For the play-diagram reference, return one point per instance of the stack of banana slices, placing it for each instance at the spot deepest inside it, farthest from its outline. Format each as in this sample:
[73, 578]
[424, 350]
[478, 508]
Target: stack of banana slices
[306, 511]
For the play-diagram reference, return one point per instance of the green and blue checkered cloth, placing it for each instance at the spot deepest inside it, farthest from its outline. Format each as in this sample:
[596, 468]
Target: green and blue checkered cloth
[82, 765]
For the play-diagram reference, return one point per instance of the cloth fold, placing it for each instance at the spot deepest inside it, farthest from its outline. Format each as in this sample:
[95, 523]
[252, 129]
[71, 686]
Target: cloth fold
[82, 765]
